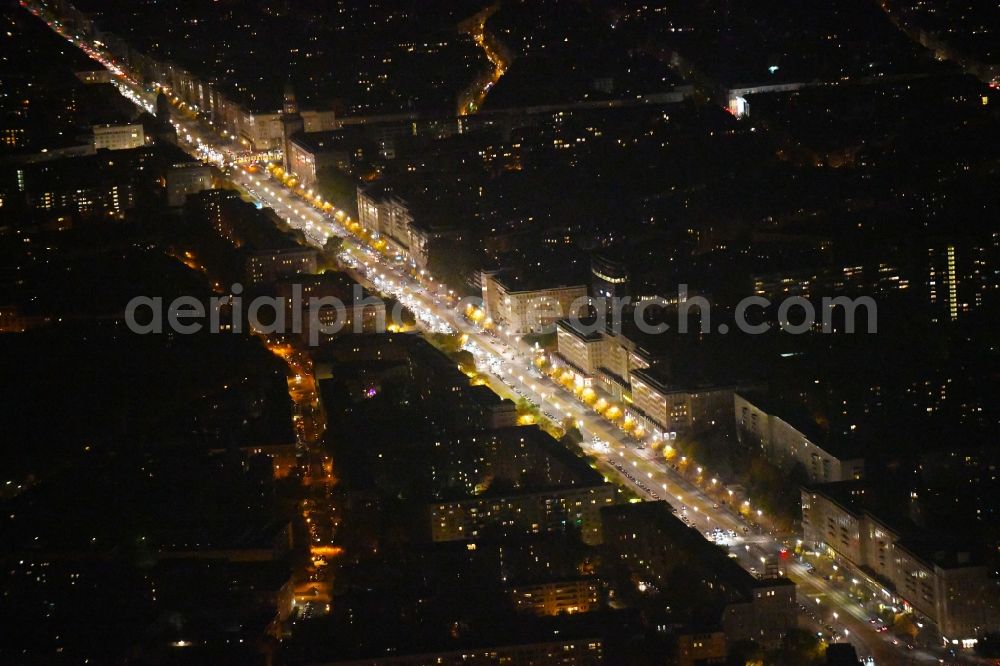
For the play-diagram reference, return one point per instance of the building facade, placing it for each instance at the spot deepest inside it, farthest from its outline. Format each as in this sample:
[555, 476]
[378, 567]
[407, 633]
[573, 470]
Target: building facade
[679, 409]
[310, 152]
[386, 215]
[521, 308]
[695, 649]
[118, 137]
[324, 306]
[578, 595]
[598, 356]
[609, 277]
[267, 266]
[530, 513]
[953, 588]
[784, 444]
[187, 178]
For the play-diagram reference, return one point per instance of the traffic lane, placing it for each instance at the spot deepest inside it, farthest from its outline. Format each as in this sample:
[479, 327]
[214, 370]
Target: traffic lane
[650, 470]
[592, 423]
[850, 616]
[759, 546]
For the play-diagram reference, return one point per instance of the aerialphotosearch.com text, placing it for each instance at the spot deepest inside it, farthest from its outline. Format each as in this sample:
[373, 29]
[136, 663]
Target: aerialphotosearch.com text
[319, 317]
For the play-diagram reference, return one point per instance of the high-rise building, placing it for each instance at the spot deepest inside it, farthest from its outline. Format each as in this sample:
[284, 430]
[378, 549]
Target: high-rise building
[942, 279]
[609, 277]
[963, 275]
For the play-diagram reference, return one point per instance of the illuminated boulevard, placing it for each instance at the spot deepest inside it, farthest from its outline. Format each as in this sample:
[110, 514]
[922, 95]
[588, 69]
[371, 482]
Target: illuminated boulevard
[511, 371]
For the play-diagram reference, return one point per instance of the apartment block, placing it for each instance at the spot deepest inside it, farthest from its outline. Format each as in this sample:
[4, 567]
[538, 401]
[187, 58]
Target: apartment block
[680, 408]
[521, 306]
[950, 585]
[655, 545]
[118, 136]
[545, 511]
[269, 265]
[187, 178]
[826, 456]
[578, 595]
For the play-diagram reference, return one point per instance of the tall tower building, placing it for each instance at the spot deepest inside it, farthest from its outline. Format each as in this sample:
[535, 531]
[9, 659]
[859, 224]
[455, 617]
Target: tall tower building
[943, 280]
[291, 122]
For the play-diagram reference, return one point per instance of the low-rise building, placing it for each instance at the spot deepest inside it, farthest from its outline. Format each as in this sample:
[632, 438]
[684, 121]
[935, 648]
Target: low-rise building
[826, 456]
[702, 647]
